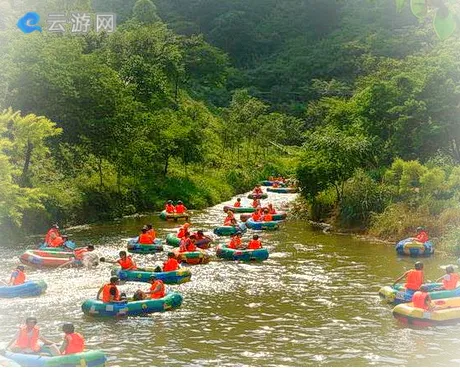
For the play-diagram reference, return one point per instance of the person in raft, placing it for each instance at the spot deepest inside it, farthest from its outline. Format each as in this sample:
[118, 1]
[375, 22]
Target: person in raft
[257, 190]
[449, 280]
[171, 264]
[52, 234]
[183, 230]
[180, 208]
[414, 277]
[169, 207]
[255, 243]
[235, 241]
[230, 219]
[256, 203]
[86, 256]
[271, 209]
[74, 342]
[18, 277]
[151, 231]
[126, 262]
[157, 290]
[276, 184]
[237, 203]
[199, 235]
[267, 216]
[188, 244]
[257, 216]
[421, 299]
[110, 292]
[144, 236]
[422, 235]
[58, 241]
[29, 341]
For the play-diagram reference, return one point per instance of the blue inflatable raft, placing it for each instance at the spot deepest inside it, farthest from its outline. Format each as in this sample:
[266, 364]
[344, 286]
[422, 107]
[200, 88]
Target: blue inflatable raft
[29, 288]
[414, 248]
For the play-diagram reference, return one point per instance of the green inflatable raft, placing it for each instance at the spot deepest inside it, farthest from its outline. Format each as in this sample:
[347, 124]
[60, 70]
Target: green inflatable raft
[97, 308]
[174, 216]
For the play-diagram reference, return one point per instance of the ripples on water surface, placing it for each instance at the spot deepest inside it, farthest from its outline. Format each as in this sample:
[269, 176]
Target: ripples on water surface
[313, 303]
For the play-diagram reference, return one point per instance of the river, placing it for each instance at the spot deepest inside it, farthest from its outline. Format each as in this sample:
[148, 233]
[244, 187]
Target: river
[313, 303]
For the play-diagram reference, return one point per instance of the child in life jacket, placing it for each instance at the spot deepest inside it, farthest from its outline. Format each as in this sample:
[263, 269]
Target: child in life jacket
[421, 299]
[414, 277]
[29, 341]
[18, 277]
[74, 342]
[449, 280]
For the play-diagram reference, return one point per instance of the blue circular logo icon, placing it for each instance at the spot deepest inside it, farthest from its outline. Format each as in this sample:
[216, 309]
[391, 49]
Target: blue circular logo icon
[29, 22]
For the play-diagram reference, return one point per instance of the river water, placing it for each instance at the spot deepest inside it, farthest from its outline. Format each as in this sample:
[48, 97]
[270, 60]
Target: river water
[313, 303]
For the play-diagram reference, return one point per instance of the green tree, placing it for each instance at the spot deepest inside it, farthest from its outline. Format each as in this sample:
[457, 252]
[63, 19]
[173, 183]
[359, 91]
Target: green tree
[145, 12]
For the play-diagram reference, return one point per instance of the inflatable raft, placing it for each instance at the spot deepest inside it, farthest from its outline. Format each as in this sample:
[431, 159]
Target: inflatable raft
[283, 190]
[92, 358]
[446, 312]
[258, 196]
[29, 288]
[42, 259]
[239, 209]
[398, 294]
[269, 183]
[247, 255]
[192, 258]
[230, 230]
[262, 225]
[174, 216]
[135, 247]
[96, 308]
[174, 241]
[279, 216]
[413, 248]
[179, 276]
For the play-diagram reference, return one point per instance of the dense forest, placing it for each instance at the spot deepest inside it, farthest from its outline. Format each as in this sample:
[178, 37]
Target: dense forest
[199, 99]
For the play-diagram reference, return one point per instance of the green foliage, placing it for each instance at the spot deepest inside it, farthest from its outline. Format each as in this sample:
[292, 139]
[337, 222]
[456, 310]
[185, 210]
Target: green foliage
[145, 12]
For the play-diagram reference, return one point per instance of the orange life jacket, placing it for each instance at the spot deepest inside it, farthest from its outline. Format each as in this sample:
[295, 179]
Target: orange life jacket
[24, 342]
[127, 263]
[199, 236]
[237, 204]
[276, 184]
[235, 242]
[51, 234]
[180, 208]
[268, 217]
[157, 294]
[79, 253]
[272, 211]
[170, 208]
[229, 221]
[414, 279]
[145, 239]
[419, 299]
[20, 278]
[452, 283]
[151, 232]
[181, 232]
[255, 244]
[257, 191]
[75, 343]
[256, 216]
[56, 242]
[106, 293]
[422, 237]
[170, 265]
[191, 247]
[255, 203]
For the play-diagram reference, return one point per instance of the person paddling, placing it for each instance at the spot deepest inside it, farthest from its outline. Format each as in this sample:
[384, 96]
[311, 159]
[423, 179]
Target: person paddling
[414, 277]
[126, 262]
[157, 290]
[169, 208]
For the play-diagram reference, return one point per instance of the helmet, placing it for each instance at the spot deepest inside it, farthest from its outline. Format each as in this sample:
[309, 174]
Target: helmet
[420, 228]
[169, 201]
[145, 227]
[450, 269]
[418, 265]
[179, 202]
